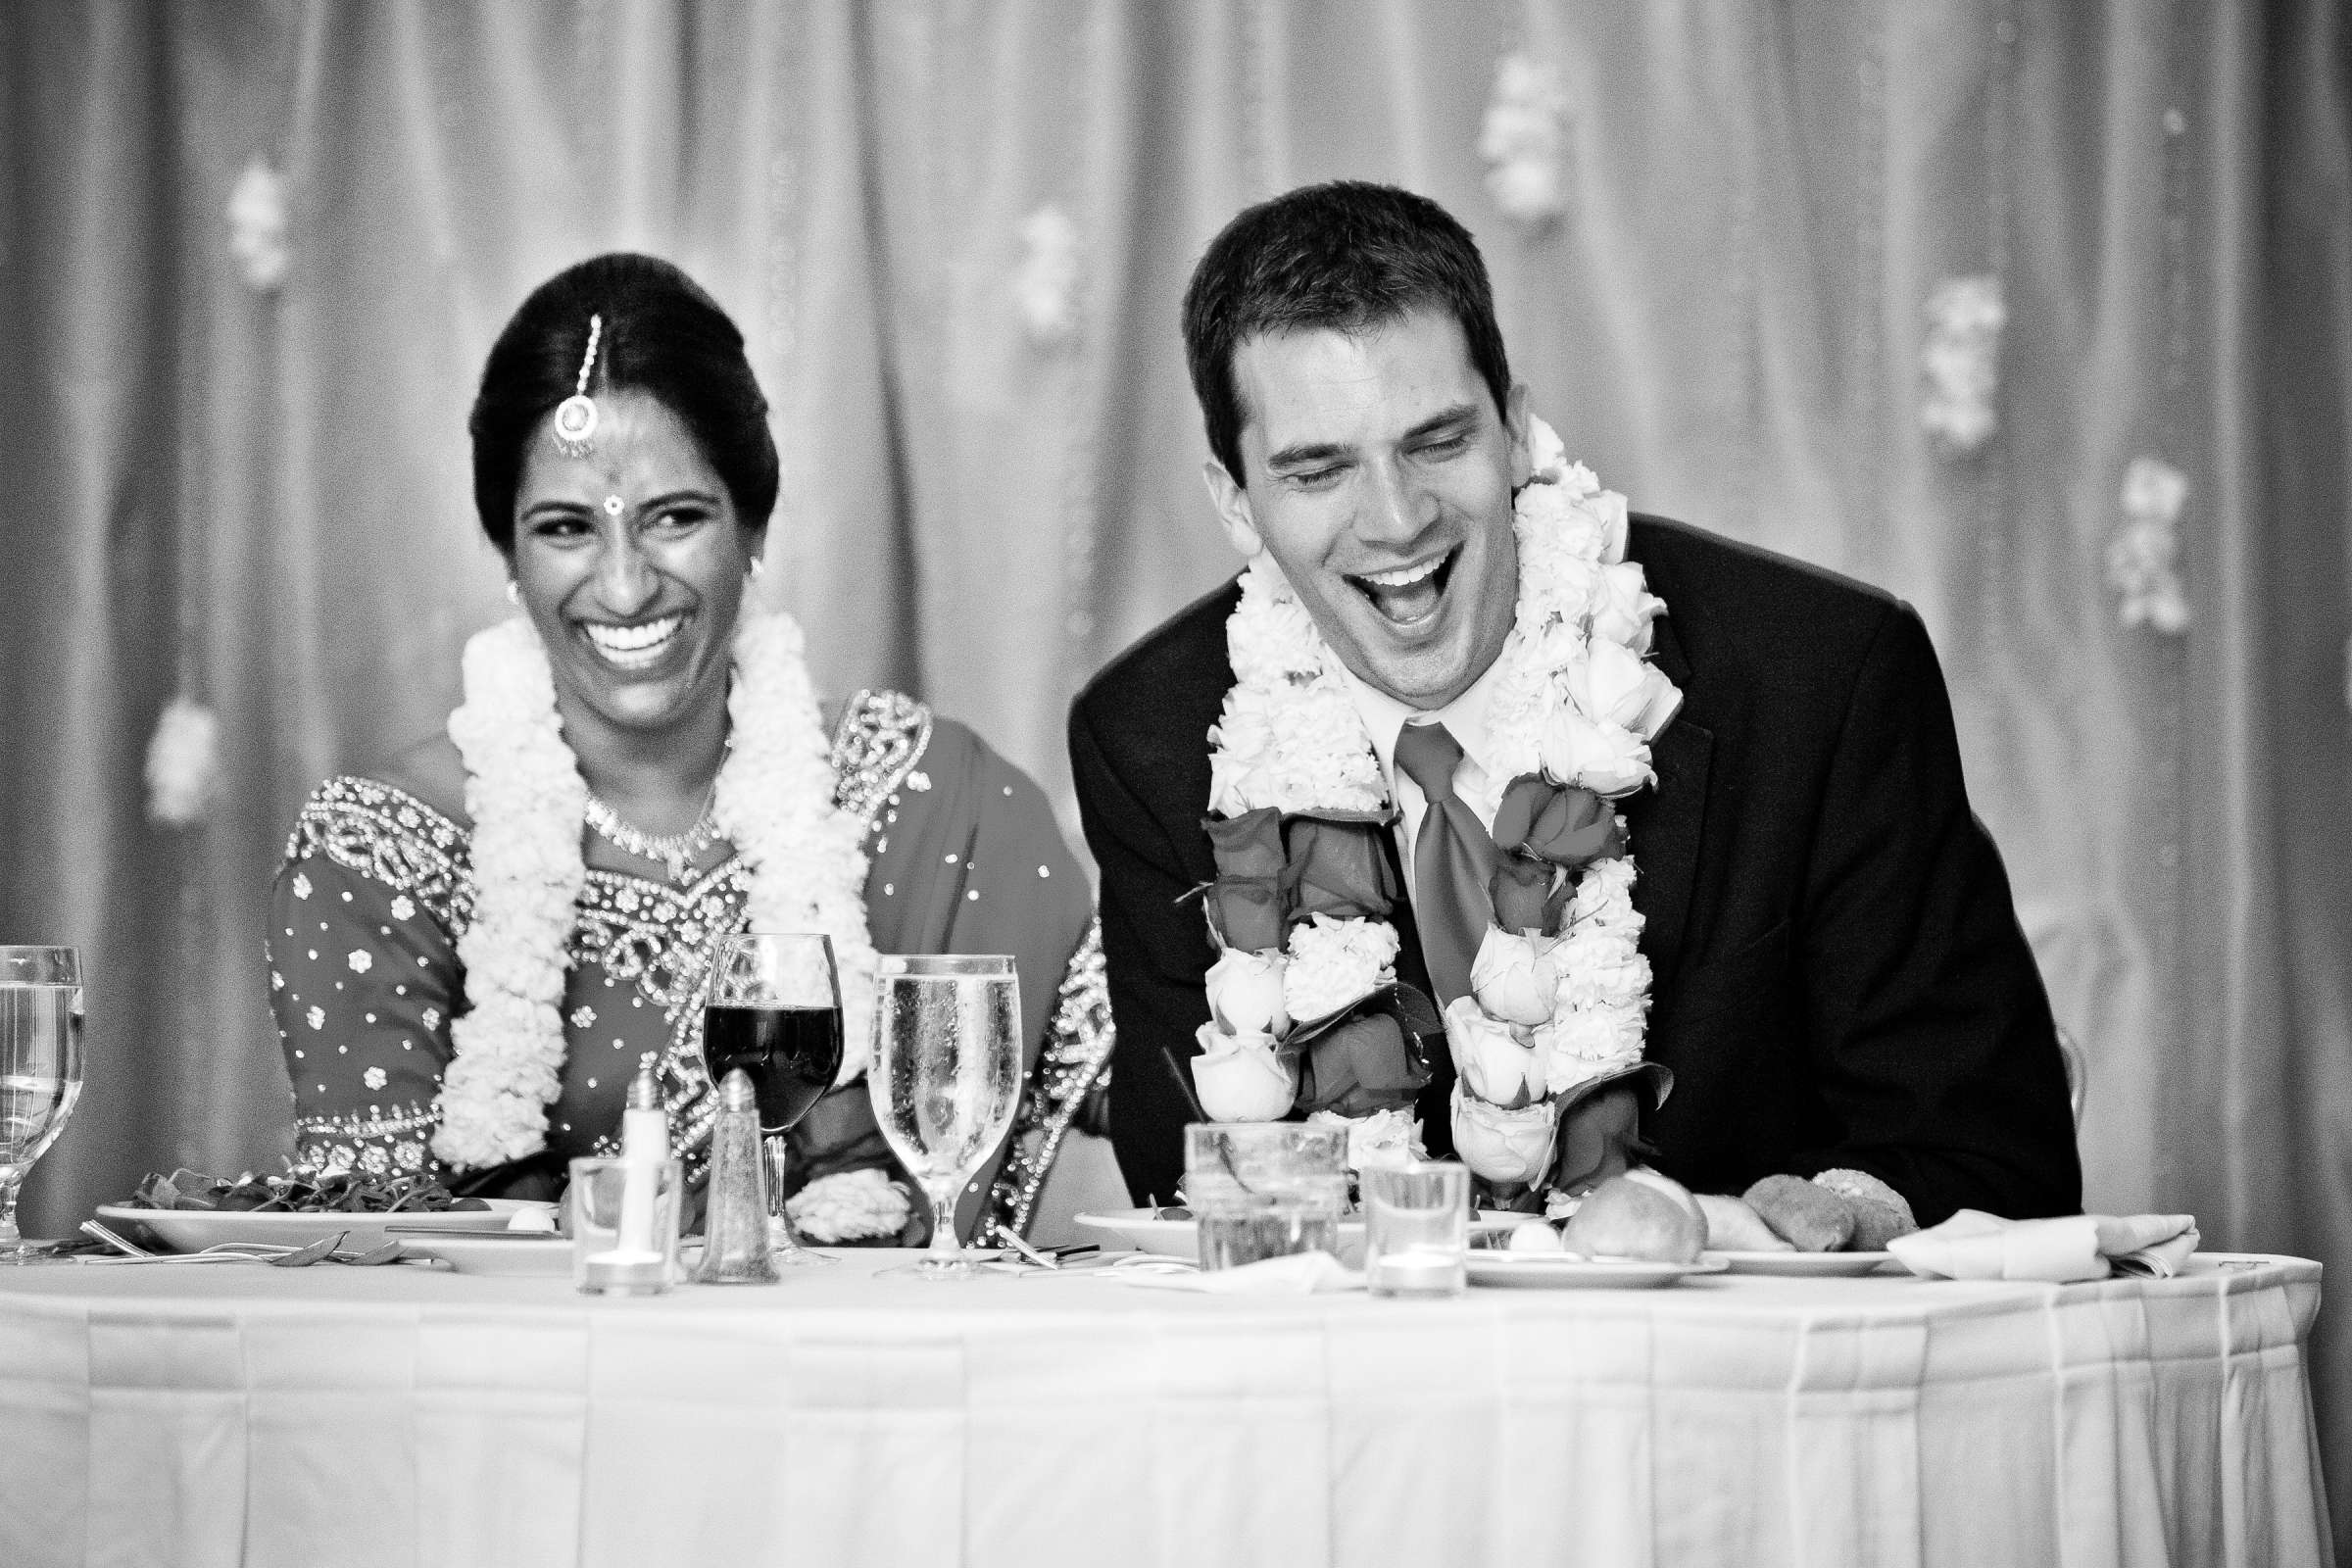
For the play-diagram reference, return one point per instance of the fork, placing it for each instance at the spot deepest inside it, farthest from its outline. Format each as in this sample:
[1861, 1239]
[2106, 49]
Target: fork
[115, 1240]
[303, 1257]
[388, 1252]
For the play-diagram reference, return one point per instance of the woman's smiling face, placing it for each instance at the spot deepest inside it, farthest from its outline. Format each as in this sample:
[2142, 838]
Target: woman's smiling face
[631, 564]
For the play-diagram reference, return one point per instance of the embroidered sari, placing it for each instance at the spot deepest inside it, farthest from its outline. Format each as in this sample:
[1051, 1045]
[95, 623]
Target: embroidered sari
[964, 856]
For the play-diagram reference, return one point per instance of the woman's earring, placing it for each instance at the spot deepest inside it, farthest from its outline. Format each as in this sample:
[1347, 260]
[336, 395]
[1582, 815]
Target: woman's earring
[513, 592]
[757, 567]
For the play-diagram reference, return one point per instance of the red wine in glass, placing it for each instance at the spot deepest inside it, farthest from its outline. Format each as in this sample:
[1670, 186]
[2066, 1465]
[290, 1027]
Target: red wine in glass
[790, 1054]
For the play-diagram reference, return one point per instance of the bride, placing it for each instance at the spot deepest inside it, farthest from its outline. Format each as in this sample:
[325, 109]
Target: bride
[471, 947]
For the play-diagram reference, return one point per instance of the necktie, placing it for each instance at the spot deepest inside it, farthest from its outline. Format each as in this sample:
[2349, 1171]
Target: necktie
[1453, 859]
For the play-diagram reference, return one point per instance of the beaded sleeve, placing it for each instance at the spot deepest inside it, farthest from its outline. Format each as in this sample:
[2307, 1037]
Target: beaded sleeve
[364, 976]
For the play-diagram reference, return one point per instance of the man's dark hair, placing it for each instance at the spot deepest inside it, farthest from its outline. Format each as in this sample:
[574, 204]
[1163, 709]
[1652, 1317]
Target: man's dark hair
[662, 335]
[1346, 257]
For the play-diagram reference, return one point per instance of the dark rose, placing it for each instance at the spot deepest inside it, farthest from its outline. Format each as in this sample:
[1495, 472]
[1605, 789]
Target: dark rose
[1246, 911]
[1361, 1066]
[1564, 826]
[1337, 866]
[1599, 1136]
[1600, 1125]
[1248, 845]
[1520, 889]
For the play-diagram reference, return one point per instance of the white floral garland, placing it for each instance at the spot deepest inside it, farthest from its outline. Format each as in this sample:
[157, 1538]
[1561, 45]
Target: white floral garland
[1574, 698]
[524, 789]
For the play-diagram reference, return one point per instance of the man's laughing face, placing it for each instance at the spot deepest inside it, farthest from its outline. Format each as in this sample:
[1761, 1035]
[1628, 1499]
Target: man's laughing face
[1378, 475]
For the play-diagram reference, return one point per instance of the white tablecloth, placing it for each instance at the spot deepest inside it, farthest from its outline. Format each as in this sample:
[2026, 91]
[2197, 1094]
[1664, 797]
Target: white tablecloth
[331, 1418]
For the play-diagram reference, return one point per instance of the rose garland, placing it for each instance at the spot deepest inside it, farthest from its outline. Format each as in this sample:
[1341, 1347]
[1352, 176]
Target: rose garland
[524, 789]
[1560, 988]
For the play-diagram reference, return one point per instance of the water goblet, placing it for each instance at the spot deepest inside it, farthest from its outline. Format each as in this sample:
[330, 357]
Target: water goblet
[945, 1079]
[40, 1070]
[774, 1012]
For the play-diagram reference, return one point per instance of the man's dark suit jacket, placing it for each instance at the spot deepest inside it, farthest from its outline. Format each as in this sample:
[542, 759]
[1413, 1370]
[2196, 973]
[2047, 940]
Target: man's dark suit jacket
[1839, 978]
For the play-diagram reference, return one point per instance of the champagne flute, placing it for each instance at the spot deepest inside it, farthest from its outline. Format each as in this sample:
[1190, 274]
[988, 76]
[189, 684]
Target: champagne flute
[774, 1012]
[40, 1069]
[945, 1079]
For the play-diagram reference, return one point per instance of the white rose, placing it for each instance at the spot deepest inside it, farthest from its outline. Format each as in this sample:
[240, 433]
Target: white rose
[1245, 993]
[1490, 1057]
[1241, 1077]
[1590, 524]
[1554, 644]
[1334, 964]
[1583, 1043]
[1502, 1145]
[1238, 746]
[1514, 977]
[1602, 757]
[1606, 508]
[1616, 686]
[1623, 607]
[1381, 1138]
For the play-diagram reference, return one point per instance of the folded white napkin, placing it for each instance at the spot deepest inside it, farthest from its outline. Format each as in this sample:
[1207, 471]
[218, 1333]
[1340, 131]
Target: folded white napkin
[1976, 1246]
[1301, 1274]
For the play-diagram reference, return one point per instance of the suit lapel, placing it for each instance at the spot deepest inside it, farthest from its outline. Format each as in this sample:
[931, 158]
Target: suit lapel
[1665, 822]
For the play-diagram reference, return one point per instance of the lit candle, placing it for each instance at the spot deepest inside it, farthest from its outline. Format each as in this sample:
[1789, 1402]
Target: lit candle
[1419, 1271]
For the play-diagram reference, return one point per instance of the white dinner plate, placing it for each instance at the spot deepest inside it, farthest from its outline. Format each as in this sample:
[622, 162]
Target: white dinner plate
[1565, 1271]
[1816, 1266]
[192, 1230]
[1176, 1238]
[487, 1254]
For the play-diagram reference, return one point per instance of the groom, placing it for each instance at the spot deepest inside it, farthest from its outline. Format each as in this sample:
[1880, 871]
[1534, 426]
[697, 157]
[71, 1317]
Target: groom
[1840, 986]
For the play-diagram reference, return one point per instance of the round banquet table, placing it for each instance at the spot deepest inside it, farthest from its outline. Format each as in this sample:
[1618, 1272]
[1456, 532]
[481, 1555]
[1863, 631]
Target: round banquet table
[405, 1415]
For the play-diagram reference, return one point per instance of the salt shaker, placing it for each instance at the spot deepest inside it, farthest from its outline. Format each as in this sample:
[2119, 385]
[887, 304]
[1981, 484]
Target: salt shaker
[735, 1248]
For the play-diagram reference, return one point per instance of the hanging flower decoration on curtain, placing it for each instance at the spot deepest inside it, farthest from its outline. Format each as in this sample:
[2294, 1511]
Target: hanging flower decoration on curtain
[257, 227]
[2141, 557]
[1524, 140]
[1960, 362]
[184, 765]
[1046, 286]
[1307, 1014]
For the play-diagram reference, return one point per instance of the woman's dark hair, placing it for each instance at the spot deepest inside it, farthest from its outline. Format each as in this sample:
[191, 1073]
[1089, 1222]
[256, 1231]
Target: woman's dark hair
[662, 335]
[1348, 256]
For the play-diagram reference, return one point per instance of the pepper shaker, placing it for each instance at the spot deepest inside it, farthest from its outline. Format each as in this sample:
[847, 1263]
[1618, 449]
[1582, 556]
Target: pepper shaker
[735, 1250]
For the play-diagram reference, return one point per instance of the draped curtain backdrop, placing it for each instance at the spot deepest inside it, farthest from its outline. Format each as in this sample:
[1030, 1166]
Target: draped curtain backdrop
[2036, 311]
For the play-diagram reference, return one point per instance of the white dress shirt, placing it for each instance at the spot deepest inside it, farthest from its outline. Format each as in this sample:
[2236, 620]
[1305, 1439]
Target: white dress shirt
[1477, 781]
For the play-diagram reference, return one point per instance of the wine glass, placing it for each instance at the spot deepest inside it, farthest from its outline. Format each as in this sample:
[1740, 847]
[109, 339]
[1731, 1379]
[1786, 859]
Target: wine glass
[945, 1079]
[774, 1012]
[40, 1069]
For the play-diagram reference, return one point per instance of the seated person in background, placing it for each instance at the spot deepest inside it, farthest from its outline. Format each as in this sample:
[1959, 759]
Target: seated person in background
[471, 947]
[1829, 961]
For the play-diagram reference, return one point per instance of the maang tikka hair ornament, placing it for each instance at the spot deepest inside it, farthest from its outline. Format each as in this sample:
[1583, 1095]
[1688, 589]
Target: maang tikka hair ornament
[575, 415]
